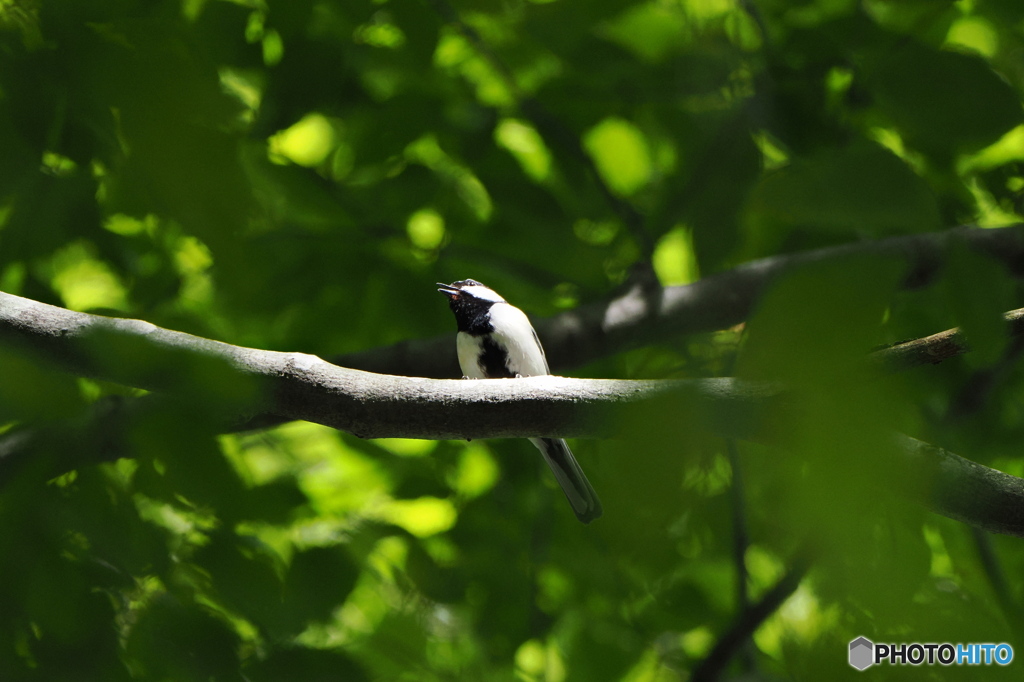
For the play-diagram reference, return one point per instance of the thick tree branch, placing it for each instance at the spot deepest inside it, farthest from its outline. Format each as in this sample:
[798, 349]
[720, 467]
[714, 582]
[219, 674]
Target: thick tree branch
[636, 318]
[963, 490]
[299, 386]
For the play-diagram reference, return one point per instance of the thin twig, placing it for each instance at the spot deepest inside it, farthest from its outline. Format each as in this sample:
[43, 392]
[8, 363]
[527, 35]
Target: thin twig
[1008, 604]
[931, 350]
[740, 541]
[746, 624]
[989, 561]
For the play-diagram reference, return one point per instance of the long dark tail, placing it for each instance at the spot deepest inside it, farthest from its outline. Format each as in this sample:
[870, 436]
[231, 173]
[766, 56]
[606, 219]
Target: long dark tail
[570, 476]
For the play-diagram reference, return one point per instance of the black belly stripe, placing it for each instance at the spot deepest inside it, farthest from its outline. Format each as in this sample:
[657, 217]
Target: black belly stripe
[494, 360]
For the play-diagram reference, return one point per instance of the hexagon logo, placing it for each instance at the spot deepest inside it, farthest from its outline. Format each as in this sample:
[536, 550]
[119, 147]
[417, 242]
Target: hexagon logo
[862, 652]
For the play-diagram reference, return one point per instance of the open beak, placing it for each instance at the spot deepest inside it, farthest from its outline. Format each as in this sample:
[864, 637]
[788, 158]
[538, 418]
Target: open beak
[448, 290]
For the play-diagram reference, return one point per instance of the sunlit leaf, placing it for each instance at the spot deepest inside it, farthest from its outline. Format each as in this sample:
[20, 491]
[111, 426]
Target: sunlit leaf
[306, 143]
[621, 154]
[674, 260]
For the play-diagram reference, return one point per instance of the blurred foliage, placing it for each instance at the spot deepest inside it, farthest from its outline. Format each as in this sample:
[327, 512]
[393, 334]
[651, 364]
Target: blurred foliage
[295, 174]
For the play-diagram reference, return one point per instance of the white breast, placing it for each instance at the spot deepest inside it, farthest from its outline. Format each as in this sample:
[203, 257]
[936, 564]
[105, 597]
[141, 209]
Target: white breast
[468, 347]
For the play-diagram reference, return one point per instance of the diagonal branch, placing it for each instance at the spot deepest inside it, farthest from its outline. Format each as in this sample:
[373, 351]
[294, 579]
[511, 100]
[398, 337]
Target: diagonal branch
[633, 319]
[740, 543]
[963, 490]
[933, 349]
[746, 623]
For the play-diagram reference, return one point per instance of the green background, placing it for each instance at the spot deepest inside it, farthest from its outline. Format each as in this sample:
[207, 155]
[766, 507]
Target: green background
[296, 174]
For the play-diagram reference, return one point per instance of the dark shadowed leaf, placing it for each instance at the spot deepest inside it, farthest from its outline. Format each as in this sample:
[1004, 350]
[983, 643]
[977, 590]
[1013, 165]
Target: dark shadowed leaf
[174, 640]
[944, 102]
[314, 665]
[861, 189]
[317, 582]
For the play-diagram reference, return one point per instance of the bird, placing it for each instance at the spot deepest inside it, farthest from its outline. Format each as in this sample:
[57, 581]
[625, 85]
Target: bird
[496, 341]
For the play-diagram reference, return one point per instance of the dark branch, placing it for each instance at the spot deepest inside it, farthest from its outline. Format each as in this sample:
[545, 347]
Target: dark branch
[634, 318]
[740, 542]
[1005, 599]
[963, 490]
[746, 623]
[934, 349]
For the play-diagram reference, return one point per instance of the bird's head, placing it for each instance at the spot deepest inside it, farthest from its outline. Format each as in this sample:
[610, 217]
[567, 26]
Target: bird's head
[469, 300]
[466, 289]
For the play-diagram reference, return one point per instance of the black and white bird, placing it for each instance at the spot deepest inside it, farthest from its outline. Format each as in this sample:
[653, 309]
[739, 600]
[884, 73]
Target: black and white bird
[497, 341]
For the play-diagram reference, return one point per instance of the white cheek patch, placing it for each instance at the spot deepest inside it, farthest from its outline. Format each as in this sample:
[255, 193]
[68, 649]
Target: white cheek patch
[483, 293]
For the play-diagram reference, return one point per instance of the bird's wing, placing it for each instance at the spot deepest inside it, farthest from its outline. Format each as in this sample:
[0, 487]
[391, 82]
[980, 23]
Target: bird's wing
[512, 329]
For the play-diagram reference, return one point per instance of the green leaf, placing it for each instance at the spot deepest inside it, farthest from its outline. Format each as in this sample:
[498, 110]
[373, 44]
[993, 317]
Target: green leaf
[621, 154]
[313, 665]
[318, 581]
[32, 390]
[862, 189]
[177, 641]
[944, 103]
[979, 292]
[246, 578]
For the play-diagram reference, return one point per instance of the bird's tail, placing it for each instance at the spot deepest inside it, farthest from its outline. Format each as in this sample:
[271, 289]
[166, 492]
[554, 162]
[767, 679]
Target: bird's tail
[570, 476]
